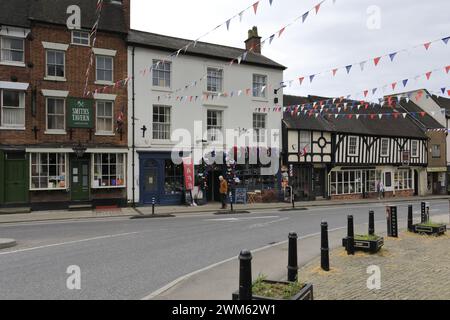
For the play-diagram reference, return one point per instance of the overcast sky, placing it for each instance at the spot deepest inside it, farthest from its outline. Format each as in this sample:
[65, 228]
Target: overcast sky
[338, 36]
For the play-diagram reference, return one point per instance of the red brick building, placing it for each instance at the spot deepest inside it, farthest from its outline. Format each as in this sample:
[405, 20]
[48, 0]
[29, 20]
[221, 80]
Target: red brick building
[58, 145]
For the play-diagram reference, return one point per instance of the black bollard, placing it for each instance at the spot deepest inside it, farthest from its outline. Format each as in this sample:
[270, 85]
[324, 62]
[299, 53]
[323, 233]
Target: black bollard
[371, 223]
[153, 206]
[245, 275]
[292, 258]
[231, 202]
[423, 208]
[293, 202]
[350, 236]
[324, 250]
[410, 218]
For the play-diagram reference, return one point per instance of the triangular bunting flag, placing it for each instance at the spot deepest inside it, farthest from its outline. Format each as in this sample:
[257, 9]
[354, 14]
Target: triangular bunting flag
[446, 40]
[349, 67]
[377, 60]
[428, 74]
[447, 69]
[405, 82]
[271, 38]
[317, 7]
[394, 85]
[255, 6]
[311, 78]
[374, 90]
[305, 15]
[301, 80]
[443, 90]
[281, 32]
[448, 92]
[228, 24]
[366, 92]
[392, 56]
[334, 72]
[427, 45]
[270, 1]
[362, 65]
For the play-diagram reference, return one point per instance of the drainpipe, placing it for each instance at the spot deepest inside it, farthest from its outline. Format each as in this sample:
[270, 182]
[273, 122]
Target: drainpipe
[133, 132]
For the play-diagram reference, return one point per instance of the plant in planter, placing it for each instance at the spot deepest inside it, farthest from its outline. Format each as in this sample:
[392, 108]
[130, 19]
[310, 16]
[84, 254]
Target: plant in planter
[430, 228]
[371, 242]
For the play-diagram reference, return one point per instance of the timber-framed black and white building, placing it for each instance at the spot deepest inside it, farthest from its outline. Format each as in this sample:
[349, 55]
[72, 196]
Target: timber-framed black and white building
[349, 156]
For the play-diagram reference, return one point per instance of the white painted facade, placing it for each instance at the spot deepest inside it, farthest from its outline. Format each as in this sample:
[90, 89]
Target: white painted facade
[237, 111]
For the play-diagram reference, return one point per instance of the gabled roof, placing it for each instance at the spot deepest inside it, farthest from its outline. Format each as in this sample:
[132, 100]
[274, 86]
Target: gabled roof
[21, 12]
[387, 126]
[426, 121]
[443, 102]
[204, 49]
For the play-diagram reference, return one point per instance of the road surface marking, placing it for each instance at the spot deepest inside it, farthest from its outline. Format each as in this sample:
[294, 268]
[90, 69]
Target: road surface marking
[242, 219]
[265, 224]
[68, 242]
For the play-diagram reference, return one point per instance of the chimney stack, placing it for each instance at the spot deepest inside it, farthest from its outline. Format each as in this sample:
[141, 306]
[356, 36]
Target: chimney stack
[126, 12]
[253, 43]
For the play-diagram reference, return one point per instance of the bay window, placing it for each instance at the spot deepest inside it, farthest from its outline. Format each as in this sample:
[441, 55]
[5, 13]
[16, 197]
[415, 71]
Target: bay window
[48, 171]
[109, 170]
[12, 104]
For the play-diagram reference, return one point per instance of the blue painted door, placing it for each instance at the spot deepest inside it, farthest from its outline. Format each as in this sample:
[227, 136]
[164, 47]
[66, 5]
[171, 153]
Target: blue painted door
[150, 181]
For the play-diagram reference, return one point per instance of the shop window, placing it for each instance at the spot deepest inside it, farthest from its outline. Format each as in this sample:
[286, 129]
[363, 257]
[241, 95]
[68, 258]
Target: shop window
[173, 184]
[345, 182]
[403, 179]
[48, 171]
[109, 170]
[373, 177]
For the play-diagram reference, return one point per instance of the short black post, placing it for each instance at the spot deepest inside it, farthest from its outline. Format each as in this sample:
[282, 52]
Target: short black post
[371, 223]
[410, 218]
[292, 257]
[350, 236]
[231, 201]
[153, 206]
[245, 275]
[423, 208]
[324, 249]
[293, 202]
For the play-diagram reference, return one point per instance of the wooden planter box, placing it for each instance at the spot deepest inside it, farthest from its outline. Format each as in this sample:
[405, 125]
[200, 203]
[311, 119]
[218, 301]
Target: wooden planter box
[306, 293]
[430, 230]
[372, 246]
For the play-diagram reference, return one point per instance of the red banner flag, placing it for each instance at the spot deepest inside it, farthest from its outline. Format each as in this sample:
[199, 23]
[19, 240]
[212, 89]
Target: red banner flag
[188, 168]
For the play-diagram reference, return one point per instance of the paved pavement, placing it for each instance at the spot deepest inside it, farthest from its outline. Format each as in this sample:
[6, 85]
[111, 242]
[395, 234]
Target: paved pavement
[412, 267]
[121, 258]
[191, 210]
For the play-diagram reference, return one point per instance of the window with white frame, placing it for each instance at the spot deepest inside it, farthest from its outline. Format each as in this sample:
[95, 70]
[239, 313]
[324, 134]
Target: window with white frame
[80, 37]
[105, 116]
[109, 170]
[56, 61]
[104, 68]
[48, 171]
[215, 80]
[345, 182]
[352, 146]
[259, 127]
[12, 49]
[305, 142]
[161, 73]
[259, 86]
[56, 119]
[161, 122]
[403, 179]
[12, 105]
[436, 150]
[384, 147]
[373, 178]
[214, 124]
[414, 148]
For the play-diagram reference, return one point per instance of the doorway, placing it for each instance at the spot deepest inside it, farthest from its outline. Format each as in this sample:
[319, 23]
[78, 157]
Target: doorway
[16, 190]
[79, 179]
[319, 183]
[213, 193]
[416, 183]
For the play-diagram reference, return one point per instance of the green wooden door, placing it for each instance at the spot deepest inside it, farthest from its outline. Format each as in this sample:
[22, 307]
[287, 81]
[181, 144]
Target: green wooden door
[16, 190]
[79, 177]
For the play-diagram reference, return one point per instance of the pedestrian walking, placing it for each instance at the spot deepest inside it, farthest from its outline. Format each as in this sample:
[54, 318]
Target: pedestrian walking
[223, 191]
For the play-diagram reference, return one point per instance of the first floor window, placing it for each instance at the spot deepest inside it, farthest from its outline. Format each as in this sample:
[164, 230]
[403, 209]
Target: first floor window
[104, 116]
[215, 80]
[109, 170]
[384, 147]
[56, 114]
[104, 68]
[214, 125]
[161, 122]
[12, 105]
[352, 146]
[305, 142]
[403, 179]
[11, 49]
[56, 63]
[259, 127]
[259, 86]
[414, 148]
[173, 183]
[436, 150]
[48, 171]
[161, 73]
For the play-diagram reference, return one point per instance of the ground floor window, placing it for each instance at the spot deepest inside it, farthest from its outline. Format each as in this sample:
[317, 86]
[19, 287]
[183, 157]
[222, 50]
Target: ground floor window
[173, 183]
[48, 171]
[373, 177]
[109, 170]
[403, 179]
[250, 178]
[345, 182]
